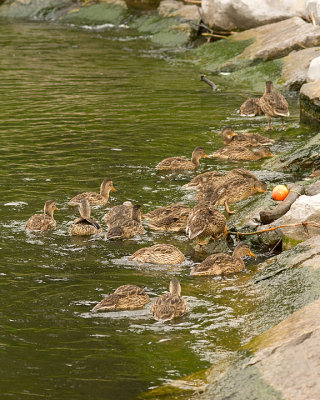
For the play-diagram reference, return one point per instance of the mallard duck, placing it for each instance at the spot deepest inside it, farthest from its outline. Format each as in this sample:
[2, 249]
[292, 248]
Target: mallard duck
[204, 179]
[85, 224]
[315, 174]
[128, 227]
[233, 190]
[158, 254]
[170, 305]
[126, 297]
[118, 213]
[273, 104]
[222, 264]
[244, 139]
[251, 107]
[205, 220]
[241, 153]
[182, 163]
[95, 199]
[172, 218]
[45, 221]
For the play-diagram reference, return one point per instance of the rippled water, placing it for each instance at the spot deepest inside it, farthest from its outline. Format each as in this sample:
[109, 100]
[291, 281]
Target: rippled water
[78, 106]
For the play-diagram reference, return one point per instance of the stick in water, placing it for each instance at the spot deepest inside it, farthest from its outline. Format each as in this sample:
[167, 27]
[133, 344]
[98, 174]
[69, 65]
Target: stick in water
[210, 83]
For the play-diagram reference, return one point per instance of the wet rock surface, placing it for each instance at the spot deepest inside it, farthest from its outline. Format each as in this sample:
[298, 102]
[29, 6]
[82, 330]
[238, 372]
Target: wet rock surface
[310, 103]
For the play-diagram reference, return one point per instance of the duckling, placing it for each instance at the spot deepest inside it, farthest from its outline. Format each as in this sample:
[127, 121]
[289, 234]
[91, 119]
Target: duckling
[97, 199]
[170, 305]
[172, 218]
[204, 220]
[235, 189]
[45, 221]
[85, 224]
[204, 179]
[222, 264]
[241, 153]
[126, 297]
[244, 139]
[251, 107]
[128, 227]
[182, 163]
[158, 254]
[273, 104]
[118, 213]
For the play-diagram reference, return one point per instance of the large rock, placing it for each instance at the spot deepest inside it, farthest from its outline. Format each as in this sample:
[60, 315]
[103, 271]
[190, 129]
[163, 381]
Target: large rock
[173, 8]
[310, 103]
[246, 14]
[314, 70]
[313, 10]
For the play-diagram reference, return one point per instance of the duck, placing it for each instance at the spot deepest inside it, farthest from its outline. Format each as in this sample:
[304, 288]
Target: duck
[170, 305]
[164, 254]
[242, 153]
[235, 189]
[118, 213]
[273, 104]
[251, 107]
[126, 297]
[45, 221]
[205, 221]
[204, 179]
[182, 163]
[244, 139]
[127, 228]
[95, 199]
[223, 264]
[85, 224]
[172, 218]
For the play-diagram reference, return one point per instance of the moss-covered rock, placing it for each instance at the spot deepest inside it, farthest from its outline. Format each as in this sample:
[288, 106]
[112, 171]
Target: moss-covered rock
[310, 103]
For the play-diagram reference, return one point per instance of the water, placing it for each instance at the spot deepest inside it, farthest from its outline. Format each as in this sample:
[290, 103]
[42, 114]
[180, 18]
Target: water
[79, 106]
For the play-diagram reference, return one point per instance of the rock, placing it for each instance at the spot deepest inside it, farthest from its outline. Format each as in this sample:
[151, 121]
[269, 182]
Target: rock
[295, 34]
[310, 103]
[313, 10]
[314, 189]
[173, 8]
[304, 209]
[296, 67]
[244, 14]
[314, 70]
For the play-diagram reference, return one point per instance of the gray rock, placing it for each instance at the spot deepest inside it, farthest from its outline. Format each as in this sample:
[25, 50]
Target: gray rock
[296, 67]
[313, 10]
[173, 8]
[314, 189]
[314, 70]
[310, 103]
[244, 14]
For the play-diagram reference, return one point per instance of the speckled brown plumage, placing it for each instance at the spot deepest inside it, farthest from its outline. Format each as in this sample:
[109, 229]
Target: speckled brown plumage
[127, 228]
[172, 218]
[182, 163]
[85, 224]
[250, 107]
[126, 297]
[119, 213]
[45, 221]
[222, 264]
[170, 305]
[230, 137]
[241, 153]
[98, 199]
[158, 254]
[204, 179]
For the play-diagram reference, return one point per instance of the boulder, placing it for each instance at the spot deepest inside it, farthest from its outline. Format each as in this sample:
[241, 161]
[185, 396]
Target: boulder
[314, 70]
[245, 14]
[313, 10]
[310, 103]
[314, 189]
[296, 67]
[173, 8]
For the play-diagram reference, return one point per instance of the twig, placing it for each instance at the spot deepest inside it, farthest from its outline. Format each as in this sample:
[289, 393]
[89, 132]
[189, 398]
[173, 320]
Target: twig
[213, 35]
[304, 224]
[210, 83]
[192, 1]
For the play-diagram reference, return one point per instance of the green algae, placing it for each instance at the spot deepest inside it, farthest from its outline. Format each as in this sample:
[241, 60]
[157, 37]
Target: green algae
[97, 14]
[36, 9]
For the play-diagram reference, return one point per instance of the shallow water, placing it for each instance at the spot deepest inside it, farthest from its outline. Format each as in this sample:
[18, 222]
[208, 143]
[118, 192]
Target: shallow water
[78, 106]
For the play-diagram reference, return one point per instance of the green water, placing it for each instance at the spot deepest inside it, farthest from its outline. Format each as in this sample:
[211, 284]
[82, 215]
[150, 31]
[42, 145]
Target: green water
[78, 106]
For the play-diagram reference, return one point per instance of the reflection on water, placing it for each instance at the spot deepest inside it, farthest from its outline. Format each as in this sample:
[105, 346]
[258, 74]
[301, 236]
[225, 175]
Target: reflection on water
[78, 106]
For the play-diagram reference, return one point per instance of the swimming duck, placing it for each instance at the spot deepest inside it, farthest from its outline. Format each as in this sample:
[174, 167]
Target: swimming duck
[45, 221]
[170, 305]
[235, 189]
[251, 107]
[222, 264]
[244, 139]
[85, 224]
[128, 227]
[241, 153]
[273, 104]
[158, 254]
[204, 179]
[126, 297]
[118, 213]
[182, 163]
[205, 220]
[97, 199]
[172, 218]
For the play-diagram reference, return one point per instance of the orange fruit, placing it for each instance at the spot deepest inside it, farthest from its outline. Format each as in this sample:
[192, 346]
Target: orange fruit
[280, 192]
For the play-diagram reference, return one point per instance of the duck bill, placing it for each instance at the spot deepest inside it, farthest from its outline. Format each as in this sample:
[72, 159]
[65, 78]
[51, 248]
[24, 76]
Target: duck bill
[205, 156]
[57, 209]
[253, 255]
[113, 189]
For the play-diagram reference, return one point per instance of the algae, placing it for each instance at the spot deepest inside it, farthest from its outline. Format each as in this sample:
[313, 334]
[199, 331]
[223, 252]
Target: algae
[34, 9]
[97, 14]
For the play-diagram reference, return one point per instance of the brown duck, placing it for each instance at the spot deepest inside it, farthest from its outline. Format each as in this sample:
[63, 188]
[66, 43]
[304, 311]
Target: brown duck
[127, 228]
[97, 199]
[244, 139]
[172, 218]
[170, 305]
[85, 224]
[182, 163]
[119, 213]
[251, 107]
[273, 104]
[223, 264]
[45, 221]
[241, 153]
[165, 254]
